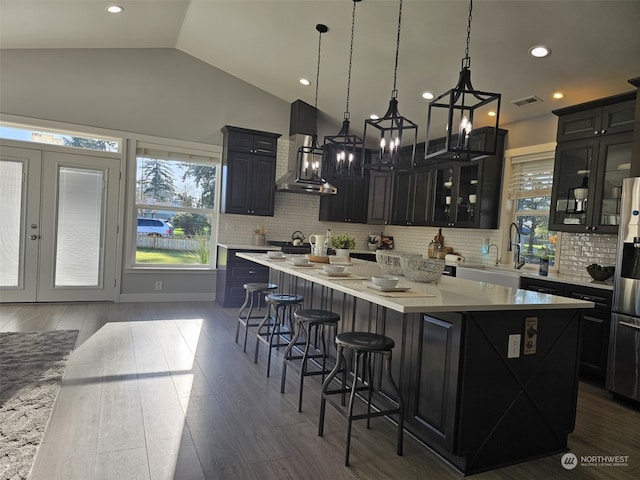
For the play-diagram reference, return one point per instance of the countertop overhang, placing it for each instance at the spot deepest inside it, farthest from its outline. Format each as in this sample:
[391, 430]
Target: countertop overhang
[449, 294]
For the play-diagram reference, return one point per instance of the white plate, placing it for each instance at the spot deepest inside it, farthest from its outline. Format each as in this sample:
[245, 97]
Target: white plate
[303, 264]
[339, 260]
[283, 257]
[335, 274]
[397, 288]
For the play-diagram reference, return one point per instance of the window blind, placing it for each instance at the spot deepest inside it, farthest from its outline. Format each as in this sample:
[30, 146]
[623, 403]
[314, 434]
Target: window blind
[531, 176]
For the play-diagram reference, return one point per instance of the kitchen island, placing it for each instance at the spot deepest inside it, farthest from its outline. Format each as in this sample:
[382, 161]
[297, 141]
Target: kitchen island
[488, 374]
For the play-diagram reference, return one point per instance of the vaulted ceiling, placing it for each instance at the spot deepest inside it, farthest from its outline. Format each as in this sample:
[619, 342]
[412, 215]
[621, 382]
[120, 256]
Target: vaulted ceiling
[272, 43]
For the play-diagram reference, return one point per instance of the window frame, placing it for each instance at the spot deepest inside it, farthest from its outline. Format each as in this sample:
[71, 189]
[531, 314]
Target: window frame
[205, 150]
[509, 212]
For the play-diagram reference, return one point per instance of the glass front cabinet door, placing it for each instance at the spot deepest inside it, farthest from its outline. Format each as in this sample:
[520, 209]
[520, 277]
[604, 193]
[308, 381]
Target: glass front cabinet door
[456, 195]
[587, 183]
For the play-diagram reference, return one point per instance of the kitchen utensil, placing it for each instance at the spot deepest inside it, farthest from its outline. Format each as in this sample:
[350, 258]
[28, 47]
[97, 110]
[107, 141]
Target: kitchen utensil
[333, 268]
[297, 238]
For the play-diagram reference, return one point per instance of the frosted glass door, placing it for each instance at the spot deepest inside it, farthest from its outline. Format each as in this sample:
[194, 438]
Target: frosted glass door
[78, 252]
[20, 226]
[58, 234]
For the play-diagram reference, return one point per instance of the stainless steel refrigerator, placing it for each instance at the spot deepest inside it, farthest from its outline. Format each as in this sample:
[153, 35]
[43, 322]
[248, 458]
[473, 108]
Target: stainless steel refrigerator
[623, 370]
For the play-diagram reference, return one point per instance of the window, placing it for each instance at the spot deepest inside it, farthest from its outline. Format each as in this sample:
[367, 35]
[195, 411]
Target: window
[64, 138]
[530, 190]
[175, 206]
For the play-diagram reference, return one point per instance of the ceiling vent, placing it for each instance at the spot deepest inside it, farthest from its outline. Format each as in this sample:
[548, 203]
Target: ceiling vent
[522, 102]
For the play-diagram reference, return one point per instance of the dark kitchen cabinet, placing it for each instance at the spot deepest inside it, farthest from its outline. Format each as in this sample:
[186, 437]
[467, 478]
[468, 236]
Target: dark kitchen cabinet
[588, 171]
[596, 323]
[467, 194]
[411, 195]
[349, 204]
[232, 273]
[594, 119]
[380, 197]
[248, 171]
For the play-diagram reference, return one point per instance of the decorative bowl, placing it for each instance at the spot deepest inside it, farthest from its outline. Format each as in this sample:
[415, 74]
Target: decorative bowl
[600, 273]
[389, 261]
[275, 254]
[333, 268]
[425, 270]
[386, 281]
[301, 260]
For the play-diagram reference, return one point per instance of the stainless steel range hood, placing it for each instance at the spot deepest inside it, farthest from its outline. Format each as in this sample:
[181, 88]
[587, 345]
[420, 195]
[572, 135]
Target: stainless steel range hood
[301, 129]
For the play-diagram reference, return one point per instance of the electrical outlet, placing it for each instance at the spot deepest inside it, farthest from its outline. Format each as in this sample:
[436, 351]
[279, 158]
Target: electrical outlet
[513, 350]
[158, 285]
[530, 335]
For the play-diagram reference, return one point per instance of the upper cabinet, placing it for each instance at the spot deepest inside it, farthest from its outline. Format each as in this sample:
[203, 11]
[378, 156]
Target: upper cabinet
[597, 118]
[248, 171]
[468, 194]
[589, 168]
[349, 204]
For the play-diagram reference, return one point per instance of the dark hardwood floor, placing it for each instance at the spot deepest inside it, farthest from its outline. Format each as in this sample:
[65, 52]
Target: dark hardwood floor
[161, 391]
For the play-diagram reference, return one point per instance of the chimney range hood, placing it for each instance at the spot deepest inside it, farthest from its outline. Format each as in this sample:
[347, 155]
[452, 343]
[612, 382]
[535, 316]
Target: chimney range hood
[301, 134]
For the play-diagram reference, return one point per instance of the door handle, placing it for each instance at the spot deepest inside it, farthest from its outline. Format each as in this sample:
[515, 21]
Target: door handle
[34, 237]
[631, 325]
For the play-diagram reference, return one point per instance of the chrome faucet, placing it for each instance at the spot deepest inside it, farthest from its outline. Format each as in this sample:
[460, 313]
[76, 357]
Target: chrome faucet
[517, 263]
[497, 253]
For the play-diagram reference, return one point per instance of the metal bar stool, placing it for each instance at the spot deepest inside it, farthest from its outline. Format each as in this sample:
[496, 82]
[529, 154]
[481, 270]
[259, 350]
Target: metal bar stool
[309, 320]
[364, 345]
[270, 329]
[252, 290]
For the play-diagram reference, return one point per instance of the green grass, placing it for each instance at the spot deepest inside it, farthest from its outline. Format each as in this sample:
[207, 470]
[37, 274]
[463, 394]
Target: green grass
[154, 256]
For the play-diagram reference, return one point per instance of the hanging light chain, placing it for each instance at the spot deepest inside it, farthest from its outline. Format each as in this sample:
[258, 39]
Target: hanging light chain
[353, 26]
[395, 69]
[466, 61]
[321, 29]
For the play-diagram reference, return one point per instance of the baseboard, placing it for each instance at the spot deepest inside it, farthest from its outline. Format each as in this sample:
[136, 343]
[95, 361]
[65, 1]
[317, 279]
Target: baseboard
[166, 297]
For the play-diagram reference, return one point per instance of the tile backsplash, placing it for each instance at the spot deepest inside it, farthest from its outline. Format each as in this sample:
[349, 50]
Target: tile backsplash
[577, 250]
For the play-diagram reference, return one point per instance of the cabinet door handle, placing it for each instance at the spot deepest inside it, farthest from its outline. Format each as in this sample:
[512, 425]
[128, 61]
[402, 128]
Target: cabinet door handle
[603, 131]
[252, 272]
[596, 132]
[631, 325]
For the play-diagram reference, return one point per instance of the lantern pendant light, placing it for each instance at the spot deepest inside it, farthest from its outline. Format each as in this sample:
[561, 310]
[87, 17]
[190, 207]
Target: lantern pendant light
[466, 118]
[344, 149]
[309, 157]
[392, 131]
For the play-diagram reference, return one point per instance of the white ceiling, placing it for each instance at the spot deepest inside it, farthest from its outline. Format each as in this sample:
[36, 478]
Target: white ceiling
[272, 43]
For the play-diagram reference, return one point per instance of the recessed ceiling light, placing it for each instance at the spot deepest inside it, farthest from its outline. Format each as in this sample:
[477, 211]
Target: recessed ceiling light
[305, 82]
[539, 51]
[115, 9]
[558, 95]
[492, 113]
[427, 95]
[373, 116]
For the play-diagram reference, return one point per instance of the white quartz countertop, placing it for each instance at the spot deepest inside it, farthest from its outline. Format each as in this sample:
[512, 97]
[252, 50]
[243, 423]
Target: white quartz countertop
[583, 280]
[233, 246]
[449, 294]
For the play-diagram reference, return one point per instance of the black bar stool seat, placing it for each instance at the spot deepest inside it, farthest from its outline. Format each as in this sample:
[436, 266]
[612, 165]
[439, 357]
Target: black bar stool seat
[245, 315]
[308, 320]
[364, 345]
[270, 328]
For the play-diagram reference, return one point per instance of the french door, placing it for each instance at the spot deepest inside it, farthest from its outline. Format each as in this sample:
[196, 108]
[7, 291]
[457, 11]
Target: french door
[58, 225]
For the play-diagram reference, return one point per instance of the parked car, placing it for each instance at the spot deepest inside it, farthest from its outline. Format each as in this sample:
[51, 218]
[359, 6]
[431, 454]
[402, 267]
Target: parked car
[154, 227]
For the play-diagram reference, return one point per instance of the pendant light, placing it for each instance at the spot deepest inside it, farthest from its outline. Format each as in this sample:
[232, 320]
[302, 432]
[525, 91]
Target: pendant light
[309, 157]
[392, 130]
[345, 148]
[458, 115]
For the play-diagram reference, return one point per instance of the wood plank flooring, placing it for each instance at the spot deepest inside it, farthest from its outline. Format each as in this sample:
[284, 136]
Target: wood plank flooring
[160, 391]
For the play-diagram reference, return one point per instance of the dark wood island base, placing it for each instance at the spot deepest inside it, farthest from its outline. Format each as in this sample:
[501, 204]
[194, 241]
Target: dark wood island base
[483, 387]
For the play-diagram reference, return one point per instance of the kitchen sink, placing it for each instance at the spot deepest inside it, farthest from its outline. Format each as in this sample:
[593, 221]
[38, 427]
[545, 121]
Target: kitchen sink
[507, 277]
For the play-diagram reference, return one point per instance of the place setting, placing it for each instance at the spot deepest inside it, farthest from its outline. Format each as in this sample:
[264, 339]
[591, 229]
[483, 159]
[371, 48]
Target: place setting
[339, 272]
[387, 286]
